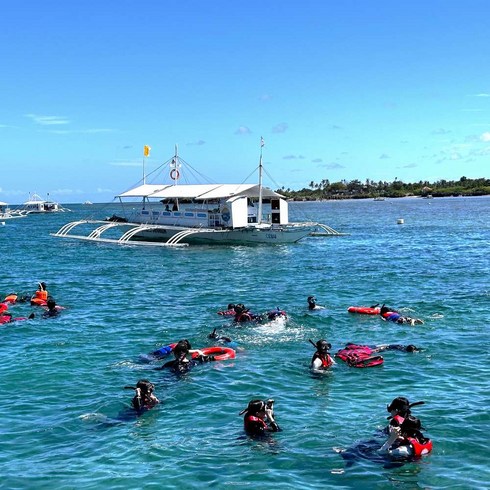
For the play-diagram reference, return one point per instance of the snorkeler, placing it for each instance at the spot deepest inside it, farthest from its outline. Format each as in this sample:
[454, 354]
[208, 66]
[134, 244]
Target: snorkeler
[406, 440]
[312, 304]
[144, 398]
[182, 363]
[52, 310]
[259, 417]
[393, 316]
[229, 312]
[321, 359]
[372, 349]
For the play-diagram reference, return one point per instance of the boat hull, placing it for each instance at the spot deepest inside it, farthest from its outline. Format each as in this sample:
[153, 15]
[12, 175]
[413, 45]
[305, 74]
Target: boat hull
[236, 236]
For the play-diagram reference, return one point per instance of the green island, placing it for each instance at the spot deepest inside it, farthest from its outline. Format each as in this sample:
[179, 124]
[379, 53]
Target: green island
[355, 189]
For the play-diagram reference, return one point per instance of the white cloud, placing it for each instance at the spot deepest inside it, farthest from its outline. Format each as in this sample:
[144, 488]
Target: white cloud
[67, 192]
[482, 95]
[243, 130]
[80, 131]
[332, 166]
[47, 120]
[441, 131]
[485, 136]
[280, 128]
[125, 164]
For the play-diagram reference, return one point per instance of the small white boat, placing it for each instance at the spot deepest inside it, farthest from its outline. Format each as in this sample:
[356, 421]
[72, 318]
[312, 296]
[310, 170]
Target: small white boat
[7, 213]
[173, 214]
[37, 205]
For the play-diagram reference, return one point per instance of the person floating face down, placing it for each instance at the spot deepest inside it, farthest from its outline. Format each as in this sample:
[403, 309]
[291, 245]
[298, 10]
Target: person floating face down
[259, 417]
[144, 398]
[405, 439]
[321, 359]
[393, 316]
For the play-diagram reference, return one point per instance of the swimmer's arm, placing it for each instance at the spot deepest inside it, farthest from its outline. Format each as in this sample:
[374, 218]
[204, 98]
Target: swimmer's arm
[394, 433]
[199, 352]
[316, 364]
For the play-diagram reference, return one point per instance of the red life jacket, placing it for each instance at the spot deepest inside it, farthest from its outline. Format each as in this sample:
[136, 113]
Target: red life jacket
[420, 448]
[326, 360]
[254, 425]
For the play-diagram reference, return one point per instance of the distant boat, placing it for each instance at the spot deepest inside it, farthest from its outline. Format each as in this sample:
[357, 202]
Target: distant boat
[7, 213]
[88, 202]
[37, 205]
[174, 214]
[379, 198]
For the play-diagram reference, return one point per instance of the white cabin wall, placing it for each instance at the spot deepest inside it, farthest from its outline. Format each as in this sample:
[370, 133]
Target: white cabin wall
[239, 212]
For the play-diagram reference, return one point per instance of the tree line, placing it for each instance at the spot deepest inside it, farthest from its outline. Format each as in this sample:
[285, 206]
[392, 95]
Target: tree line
[355, 189]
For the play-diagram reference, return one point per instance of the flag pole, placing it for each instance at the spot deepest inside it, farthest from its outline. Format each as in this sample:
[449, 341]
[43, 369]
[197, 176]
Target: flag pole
[146, 153]
[259, 217]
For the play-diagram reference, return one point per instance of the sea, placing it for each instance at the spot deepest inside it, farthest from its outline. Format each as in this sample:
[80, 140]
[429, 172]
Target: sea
[66, 416]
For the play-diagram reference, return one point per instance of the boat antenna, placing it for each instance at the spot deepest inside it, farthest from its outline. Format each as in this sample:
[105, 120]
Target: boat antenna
[259, 217]
[146, 154]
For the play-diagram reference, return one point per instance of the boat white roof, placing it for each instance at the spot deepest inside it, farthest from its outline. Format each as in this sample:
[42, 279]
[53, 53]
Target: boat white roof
[3, 203]
[198, 191]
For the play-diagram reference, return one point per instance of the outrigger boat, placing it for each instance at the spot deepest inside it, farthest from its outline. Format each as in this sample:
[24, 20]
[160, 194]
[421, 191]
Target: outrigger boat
[7, 213]
[175, 214]
[37, 205]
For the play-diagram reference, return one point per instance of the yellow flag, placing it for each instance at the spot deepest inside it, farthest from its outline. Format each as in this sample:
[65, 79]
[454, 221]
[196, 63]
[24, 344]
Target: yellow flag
[146, 150]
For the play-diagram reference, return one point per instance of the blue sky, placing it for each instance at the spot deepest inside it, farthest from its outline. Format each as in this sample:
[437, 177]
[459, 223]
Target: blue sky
[338, 89]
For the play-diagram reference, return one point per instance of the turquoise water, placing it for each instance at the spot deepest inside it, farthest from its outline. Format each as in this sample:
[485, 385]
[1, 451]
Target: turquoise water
[65, 413]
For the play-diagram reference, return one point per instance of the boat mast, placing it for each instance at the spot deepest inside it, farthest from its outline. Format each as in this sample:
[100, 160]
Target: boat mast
[259, 217]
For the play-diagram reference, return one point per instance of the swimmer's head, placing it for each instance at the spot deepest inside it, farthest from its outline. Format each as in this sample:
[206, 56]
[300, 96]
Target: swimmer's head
[412, 348]
[254, 407]
[51, 303]
[399, 405]
[323, 346]
[145, 386]
[182, 348]
[231, 306]
[311, 299]
[42, 286]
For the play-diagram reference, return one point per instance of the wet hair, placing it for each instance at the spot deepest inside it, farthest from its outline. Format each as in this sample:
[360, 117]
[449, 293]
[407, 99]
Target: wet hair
[145, 386]
[231, 306]
[411, 348]
[254, 407]
[51, 303]
[182, 347]
[399, 404]
[411, 426]
[42, 286]
[322, 345]
[311, 299]
[383, 309]
[240, 308]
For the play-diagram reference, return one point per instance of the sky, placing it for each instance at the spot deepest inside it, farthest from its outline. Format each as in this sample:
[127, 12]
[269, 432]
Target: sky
[344, 89]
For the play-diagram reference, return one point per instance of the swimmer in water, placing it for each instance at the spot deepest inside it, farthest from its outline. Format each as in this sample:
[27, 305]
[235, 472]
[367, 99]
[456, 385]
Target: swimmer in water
[144, 398]
[321, 359]
[312, 304]
[259, 418]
